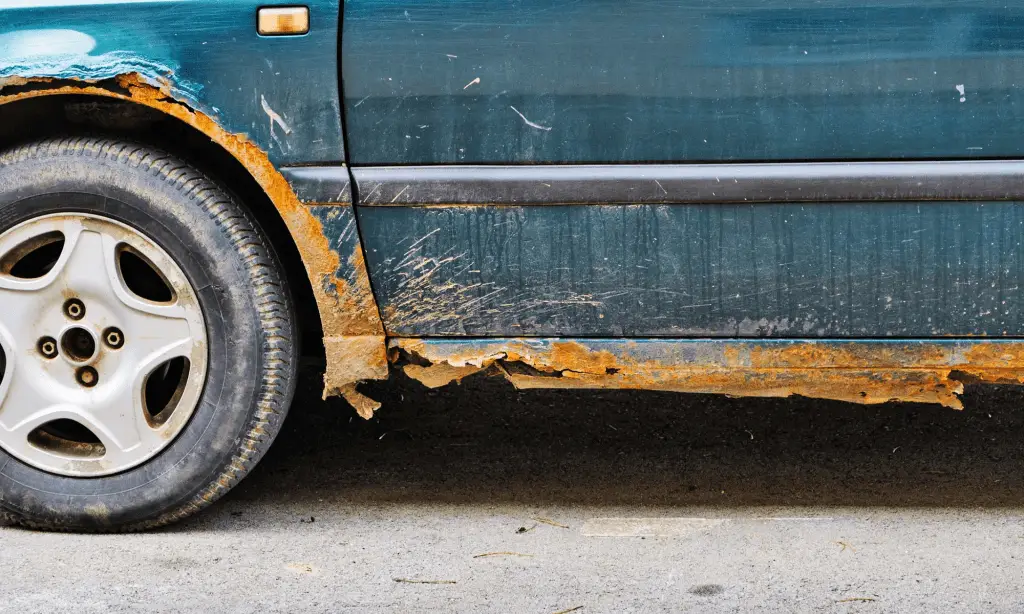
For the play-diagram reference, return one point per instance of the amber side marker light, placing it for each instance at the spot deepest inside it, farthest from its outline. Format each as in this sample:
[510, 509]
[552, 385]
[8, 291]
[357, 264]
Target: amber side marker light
[282, 20]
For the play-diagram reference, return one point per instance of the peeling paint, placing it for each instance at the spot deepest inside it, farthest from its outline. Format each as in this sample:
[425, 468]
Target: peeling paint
[76, 67]
[866, 372]
[353, 334]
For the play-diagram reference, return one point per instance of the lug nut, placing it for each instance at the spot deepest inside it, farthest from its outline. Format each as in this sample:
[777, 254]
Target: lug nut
[114, 338]
[48, 347]
[87, 376]
[74, 309]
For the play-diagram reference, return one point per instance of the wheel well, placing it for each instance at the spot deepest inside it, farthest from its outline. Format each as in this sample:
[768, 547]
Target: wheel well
[37, 118]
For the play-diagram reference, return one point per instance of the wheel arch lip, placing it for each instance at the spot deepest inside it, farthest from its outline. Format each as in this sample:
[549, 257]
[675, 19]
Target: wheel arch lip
[353, 333]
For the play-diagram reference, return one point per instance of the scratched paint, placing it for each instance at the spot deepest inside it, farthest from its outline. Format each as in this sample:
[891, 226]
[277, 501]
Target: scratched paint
[702, 80]
[866, 372]
[769, 270]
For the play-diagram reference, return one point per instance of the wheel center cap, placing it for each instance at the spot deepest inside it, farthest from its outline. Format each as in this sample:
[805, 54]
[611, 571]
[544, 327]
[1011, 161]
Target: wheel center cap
[78, 344]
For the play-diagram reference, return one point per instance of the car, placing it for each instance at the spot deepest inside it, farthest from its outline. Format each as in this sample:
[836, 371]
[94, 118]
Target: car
[765, 198]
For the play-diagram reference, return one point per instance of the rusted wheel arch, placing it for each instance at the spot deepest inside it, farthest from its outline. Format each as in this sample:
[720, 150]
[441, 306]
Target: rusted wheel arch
[352, 330]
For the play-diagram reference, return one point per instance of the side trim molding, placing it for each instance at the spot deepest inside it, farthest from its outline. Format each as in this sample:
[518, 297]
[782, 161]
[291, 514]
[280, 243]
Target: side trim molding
[690, 183]
[319, 184]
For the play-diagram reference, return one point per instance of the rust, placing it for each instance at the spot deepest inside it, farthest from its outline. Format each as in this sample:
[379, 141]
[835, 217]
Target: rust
[352, 359]
[347, 306]
[858, 373]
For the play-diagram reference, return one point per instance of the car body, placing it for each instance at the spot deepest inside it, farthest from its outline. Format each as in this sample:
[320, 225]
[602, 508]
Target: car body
[748, 197]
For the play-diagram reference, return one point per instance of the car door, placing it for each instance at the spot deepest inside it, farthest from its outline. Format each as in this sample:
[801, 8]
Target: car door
[700, 168]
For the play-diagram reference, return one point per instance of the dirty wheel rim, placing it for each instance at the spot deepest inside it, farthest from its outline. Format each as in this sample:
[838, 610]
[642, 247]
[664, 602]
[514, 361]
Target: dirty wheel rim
[103, 350]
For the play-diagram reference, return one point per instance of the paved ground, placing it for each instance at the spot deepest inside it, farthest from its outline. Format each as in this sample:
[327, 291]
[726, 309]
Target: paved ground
[763, 505]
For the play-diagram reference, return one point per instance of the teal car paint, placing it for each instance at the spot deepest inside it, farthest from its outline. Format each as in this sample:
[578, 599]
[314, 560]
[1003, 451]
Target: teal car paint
[281, 92]
[814, 270]
[538, 81]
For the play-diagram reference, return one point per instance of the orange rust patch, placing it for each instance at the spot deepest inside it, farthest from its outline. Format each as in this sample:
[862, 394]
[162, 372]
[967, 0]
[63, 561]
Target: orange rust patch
[347, 306]
[819, 356]
[353, 359]
[853, 372]
[441, 374]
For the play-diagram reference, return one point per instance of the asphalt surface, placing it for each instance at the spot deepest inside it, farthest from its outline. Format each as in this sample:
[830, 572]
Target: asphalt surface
[779, 505]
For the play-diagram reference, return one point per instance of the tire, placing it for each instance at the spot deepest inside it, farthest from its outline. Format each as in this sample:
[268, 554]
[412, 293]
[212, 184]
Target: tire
[247, 319]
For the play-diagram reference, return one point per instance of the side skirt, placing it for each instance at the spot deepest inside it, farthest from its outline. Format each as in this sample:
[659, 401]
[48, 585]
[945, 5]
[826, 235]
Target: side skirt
[858, 371]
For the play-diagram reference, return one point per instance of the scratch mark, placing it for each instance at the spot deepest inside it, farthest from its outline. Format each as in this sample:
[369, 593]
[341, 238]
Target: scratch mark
[275, 117]
[400, 193]
[474, 82]
[372, 192]
[365, 98]
[963, 92]
[528, 122]
[423, 238]
[452, 56]
[661, 186]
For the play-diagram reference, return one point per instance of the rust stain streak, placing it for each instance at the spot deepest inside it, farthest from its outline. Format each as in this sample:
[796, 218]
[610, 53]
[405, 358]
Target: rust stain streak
[858, 373]
[347, 306]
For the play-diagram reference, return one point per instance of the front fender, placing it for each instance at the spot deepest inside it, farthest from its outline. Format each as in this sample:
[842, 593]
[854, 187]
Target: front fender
[270, 102]
[280, 91]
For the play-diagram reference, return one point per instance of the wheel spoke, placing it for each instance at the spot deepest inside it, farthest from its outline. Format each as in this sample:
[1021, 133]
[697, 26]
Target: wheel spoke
[19, 306]
[23, 405]
[91, 266]
[154, 337]
[119, 421]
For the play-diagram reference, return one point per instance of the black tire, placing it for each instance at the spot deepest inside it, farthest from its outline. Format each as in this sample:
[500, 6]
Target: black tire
[247, 309]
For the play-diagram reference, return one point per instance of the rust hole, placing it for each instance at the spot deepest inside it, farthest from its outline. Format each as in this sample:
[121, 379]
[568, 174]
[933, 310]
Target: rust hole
[400, 358]
[963, 377]
[517, 367]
